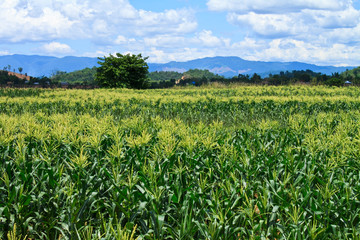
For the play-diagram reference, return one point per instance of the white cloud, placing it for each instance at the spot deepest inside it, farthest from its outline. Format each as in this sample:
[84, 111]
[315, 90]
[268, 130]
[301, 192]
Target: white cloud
[275, 6]
[56, 48]
[297, 50]
[120, 40]
[286, 49]
[100, 28]
[305, 22]
[95, 54]
[165, 48]
[18, 25]
[316, 31]
[208, 39]
[348, 18]
[203, 39]
[159, 56]
[183, 54]
[247, 48]
[166, 41]
[102, 21]
[270, 25]
[171, 21]
[349, 36]
[2, 53]
[315, 23]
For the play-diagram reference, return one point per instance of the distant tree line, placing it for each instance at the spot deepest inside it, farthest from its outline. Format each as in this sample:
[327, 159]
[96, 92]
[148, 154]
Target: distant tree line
[85, 76]
[283, 78]
[352, 75]
[159, 76]
[7, 79]
[195, 77]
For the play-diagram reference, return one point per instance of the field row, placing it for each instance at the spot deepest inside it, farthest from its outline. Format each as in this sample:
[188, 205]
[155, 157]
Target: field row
[214, 163]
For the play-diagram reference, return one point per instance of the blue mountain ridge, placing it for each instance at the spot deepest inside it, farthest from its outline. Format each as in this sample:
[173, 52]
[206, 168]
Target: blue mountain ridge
[35, 65]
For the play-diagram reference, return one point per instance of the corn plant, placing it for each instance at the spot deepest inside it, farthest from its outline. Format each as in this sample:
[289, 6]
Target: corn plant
[238, 162]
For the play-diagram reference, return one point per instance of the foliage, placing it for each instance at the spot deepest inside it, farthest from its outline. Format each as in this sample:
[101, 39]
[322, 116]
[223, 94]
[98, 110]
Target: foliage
[197, 77]
[205, 163]
[338, 82]
[200, 73]
[158, 76]
[352, 75]
[42, 81]
[162, 84]
[5, 78]
[84, 76]
[119, 71]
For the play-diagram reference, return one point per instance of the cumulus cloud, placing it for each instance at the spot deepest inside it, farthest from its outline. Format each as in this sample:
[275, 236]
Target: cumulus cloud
[171, 21]
[269, 25]
[18, 25]
[308, 22]
[56, 48]
[96, 54]
[287, 50]
[166, 41]
[208, 39]
[183, 54]
[39, 20]
[317, 31]
[202, 39]
[165, 48]
[347, 18]
[274, 6]
[317, 22]
[2, 53]
[121, 40]
[350, 36]
[290, 50]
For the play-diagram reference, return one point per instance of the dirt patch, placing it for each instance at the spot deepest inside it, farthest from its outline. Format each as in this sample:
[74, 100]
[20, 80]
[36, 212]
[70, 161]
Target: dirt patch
[18, 75]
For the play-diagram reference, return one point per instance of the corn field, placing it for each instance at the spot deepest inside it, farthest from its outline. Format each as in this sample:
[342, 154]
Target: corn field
[185, 163]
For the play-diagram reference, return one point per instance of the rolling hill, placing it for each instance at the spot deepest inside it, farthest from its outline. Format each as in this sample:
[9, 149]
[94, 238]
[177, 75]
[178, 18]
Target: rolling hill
[36, 66]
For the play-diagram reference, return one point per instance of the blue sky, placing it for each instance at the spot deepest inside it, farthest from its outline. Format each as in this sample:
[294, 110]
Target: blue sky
[323, 32]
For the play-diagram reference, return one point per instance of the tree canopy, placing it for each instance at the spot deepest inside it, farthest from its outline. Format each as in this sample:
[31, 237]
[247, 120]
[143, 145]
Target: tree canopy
[86, 75]
[200, 73]
[164, 75]
[119, 71]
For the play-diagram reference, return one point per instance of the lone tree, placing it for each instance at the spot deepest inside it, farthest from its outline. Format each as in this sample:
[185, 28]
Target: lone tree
[129, 71]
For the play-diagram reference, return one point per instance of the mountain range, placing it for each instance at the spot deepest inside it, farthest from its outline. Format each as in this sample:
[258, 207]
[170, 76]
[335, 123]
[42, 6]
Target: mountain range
[37, 66]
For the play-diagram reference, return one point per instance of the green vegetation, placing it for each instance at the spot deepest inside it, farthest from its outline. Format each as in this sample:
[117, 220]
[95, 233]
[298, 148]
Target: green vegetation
[84, 76]
[196, 77]
[185, 163]
[164, 76]
[5, 78]
[200, 77]
[198, 73]
[12, 80]
[352, 75]
[122, 71]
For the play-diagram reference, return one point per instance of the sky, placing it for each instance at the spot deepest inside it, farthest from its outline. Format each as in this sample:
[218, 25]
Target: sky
[322, 32]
